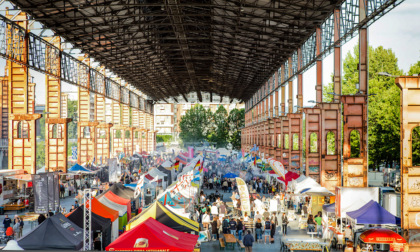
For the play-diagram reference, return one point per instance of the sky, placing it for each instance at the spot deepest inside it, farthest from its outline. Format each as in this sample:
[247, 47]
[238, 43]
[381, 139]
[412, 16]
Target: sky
[397, 30]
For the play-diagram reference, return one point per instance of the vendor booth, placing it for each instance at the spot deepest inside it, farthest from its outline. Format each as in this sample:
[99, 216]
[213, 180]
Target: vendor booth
[380, 240]
[151, 235]
[165, 216]
[372, 213]
[106, 212]
[122, 211]
[119, 200]
[56, 232]
[99, 224]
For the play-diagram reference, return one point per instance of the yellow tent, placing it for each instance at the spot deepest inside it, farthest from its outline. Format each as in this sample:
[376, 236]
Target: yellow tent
[165, 216]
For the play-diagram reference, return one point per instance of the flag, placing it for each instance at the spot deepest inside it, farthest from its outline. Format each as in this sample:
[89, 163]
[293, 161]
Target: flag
[74, 152]
[243, 152]
[181, 158]
[255, 161]
[199, 166]
[175, 165]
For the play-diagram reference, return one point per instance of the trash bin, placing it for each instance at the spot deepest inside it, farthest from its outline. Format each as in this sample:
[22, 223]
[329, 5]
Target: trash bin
[1, 210]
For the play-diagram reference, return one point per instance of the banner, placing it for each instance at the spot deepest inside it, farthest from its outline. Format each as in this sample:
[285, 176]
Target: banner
[113, 170]
[190, 152]
[53, 191]
[244, 196]
[40, 190]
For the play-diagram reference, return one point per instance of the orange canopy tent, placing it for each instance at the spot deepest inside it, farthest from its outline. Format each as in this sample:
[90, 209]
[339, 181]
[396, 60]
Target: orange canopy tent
[104, 211]
[152, 235]
[119, 200]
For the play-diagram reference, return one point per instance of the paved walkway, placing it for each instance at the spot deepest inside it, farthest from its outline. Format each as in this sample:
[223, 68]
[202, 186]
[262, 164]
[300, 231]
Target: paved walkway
[29, 226]
[293, 232]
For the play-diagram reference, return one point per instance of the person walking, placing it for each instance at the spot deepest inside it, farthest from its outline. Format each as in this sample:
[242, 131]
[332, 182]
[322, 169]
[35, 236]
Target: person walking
[232, 225]
[318, 221]
[272, 230]
[267, 230]
[240, 228]
[284, 222]
[258, 230]
[248, 241]
[215, 228]
[206, 220]
[6, 222]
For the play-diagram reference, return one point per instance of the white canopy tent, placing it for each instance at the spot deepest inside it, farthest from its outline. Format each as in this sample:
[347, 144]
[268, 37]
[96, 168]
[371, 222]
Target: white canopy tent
[306, 183]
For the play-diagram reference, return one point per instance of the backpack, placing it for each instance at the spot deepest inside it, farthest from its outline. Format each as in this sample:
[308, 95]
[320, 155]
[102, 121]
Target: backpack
[267, 225]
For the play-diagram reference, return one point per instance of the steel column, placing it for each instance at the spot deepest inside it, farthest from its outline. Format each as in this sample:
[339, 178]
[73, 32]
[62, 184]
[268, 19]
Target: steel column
[318, 87]
[410, 175]
[21, 126]
[55, 124]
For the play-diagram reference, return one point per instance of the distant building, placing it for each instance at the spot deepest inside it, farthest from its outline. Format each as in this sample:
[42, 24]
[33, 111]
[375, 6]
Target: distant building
[168, 115]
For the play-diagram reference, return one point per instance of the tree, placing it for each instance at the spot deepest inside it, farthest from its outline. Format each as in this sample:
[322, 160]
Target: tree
[236, 121]
[72, 126]
[196, 124]
[384, 106]
[42, 127]
[220, 129]
[40, 154]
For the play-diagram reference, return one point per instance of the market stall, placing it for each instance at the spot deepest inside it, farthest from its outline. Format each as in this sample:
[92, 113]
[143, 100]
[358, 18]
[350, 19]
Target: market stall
[151, 235]
[165, 216]
[372, 213]
[56, 232]
[380, 240]
[119, 200]
[122, 211]
[99, 224]
[106, 212]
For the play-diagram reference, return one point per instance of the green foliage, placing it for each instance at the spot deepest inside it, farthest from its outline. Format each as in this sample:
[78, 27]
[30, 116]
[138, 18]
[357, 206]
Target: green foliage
[414, 69]
[313, 143]
[72, 126]
[236, 121]
[40, 154]
[220, 130]
[127, 134]
[355, 144]
[416, 146]
[42, 127]
[295, 142]
[384, 107]
[286, 141]
[330, 143]
[199, 125]
[118, 134]
[196, 124]
[70, 145]
[164, 138]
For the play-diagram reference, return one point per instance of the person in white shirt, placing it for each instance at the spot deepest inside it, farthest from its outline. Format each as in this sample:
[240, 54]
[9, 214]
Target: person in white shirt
[206, 220]
[246, 218]
[214, 209]
[257, 216]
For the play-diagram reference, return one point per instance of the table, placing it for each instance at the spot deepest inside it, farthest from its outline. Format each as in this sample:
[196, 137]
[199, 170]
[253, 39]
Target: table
[312, 234]
[230, 241]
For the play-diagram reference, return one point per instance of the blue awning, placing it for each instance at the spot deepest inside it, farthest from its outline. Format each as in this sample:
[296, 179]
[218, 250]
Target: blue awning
[79, 168]
[329, 208]
[373, 213]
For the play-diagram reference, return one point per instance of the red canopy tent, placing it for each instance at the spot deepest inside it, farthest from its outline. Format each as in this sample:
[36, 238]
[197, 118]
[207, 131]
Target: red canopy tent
[289, 177]
[152, 235]
[383, 235]
[119, 200]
